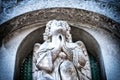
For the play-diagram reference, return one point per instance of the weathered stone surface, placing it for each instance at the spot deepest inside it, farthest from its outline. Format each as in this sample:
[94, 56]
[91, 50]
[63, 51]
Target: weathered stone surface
[99, 33]
[68, 14]
[13, 8]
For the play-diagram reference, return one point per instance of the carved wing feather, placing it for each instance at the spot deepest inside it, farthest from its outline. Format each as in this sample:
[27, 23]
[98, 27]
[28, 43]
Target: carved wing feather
[35, 51]
[86, 69]
[36, 47]
[81, 44]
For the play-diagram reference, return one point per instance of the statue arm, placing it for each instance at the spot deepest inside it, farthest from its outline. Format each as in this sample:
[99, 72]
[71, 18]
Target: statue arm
[42, 58]
[55, 52]
[68, 52]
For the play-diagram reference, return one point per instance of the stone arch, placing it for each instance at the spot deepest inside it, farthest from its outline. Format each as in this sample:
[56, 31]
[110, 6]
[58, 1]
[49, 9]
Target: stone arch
[27, 44]
[103, 29]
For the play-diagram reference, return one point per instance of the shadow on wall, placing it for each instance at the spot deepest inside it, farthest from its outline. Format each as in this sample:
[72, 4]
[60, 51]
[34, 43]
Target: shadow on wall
[37, 36]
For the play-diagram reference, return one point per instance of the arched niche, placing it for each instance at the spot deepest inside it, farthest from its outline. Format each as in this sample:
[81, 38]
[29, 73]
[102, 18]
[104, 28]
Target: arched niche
[26, 47]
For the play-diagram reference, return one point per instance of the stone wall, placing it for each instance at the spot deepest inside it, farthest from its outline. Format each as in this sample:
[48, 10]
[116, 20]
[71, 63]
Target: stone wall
[13, 8]
[103, 30]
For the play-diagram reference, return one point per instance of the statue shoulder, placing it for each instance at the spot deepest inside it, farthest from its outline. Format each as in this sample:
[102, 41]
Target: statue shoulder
[71, 45]
[38, 47]
[76, 44]
[42, 47]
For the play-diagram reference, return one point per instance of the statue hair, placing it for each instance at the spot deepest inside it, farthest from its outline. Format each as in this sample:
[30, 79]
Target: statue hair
[48, 27]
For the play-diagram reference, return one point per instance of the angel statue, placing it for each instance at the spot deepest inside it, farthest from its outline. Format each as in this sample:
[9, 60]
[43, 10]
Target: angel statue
[58, 58]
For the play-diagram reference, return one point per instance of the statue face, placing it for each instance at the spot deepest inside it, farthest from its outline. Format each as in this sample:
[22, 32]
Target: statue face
[58, 28]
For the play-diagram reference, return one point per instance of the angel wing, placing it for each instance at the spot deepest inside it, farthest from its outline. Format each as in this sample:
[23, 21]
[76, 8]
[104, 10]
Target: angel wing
[42, 57]
[81, 44]
[38, 52]
[36, 48]
[86, 71]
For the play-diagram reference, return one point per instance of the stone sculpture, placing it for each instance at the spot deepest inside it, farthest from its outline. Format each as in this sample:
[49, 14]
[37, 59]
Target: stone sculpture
[58, 58]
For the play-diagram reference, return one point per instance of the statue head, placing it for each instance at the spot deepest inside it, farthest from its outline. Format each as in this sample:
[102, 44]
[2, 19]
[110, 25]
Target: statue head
[55, 27]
